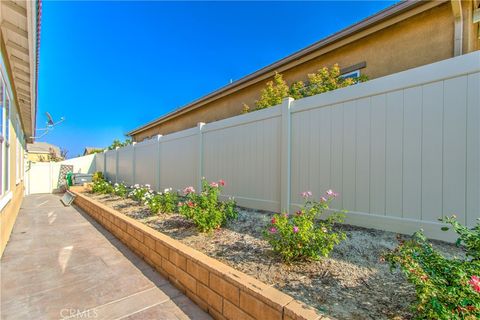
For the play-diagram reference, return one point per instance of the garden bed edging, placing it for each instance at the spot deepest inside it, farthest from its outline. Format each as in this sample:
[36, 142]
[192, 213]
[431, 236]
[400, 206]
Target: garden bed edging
[220, 290]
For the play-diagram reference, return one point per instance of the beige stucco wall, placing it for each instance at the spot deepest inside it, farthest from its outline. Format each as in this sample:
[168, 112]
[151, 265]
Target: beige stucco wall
[9, 213]
[422, 39]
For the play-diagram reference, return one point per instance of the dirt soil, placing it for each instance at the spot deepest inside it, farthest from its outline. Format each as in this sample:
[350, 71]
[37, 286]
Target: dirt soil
[351, 284]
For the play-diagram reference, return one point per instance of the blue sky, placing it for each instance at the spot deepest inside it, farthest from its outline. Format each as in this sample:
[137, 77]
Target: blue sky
[109, 67]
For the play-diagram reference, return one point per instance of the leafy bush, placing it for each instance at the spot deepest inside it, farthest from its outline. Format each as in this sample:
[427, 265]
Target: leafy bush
[303, 236]
[140, 193]
[447, 288]
[323, 80]
[120, 189]
[205, 209]
[101, 186]
[119, 144]
[97, 176]
[163, 202]
[273, 93]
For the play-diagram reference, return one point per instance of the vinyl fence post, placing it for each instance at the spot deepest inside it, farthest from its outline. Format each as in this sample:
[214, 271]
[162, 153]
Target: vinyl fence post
[285, 174]
[200, 156]
[104, 169]
[133, 162]
[116, 164]
[157, 163]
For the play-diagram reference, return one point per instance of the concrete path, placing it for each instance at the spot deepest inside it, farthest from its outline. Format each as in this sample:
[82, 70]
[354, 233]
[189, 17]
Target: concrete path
[60, 264]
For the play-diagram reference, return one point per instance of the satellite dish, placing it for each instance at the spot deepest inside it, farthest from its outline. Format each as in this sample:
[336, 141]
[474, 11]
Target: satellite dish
[50, 125]
[50, 119]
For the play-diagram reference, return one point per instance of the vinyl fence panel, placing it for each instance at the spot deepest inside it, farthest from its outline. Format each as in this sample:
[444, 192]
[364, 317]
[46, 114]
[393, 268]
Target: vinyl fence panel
[179, 156]
[111, 165]
[146, 163]
[245, 152]
[125, 162]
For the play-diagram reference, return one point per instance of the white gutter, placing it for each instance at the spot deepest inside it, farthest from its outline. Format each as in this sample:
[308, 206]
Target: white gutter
[458, 36]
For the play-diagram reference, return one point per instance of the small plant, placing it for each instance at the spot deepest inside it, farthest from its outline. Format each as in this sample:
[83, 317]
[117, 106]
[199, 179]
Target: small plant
[205, 209]
[120, 189]
[303, 236]
[163, 202]
[101, 186]
[97, 176]
[139, 192]
[447, 288]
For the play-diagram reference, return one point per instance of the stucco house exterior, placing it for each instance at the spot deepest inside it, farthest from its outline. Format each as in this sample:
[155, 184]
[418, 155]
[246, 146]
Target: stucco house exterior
[406, 35]
[42, 151]
[19, 44]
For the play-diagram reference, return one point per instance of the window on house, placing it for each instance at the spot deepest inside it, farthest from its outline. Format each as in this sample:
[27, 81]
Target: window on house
[2, 95]
[6, 144]
[17, 149]
[353, 75]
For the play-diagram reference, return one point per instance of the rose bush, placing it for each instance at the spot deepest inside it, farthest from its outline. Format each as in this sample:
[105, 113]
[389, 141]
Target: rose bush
[165, 202]
[205, 209]
[447, 288]
[120, 189]
[303, 235]
[139, 193]
[101, 186]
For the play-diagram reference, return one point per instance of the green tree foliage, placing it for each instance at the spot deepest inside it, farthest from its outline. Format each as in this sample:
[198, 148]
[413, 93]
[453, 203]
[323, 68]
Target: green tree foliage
[117, 143]
[323, 80]
[273, 93]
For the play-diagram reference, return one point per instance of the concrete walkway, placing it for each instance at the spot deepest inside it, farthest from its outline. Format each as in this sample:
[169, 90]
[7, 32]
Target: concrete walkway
[60, 264]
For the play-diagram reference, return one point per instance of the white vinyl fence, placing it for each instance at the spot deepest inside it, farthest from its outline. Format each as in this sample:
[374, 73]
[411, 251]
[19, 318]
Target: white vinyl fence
[43, 177]
[402, 151]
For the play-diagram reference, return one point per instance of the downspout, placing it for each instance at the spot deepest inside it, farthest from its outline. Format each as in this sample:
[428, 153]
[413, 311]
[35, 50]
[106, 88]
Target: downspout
[458, 24]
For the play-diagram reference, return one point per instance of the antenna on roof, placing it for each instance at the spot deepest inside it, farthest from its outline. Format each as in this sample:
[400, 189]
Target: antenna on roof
[49, 125]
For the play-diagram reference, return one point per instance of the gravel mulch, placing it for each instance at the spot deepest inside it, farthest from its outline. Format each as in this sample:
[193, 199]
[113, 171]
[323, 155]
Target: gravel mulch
[350, 284]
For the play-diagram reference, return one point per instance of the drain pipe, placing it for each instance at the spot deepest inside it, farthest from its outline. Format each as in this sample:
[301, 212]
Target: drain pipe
[458, 36]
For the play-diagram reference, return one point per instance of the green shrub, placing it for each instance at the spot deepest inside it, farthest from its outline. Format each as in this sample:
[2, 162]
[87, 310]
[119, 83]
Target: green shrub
[323, 80]
[102, 187]
[165, 202]
[273, 93]
[447, 288]
[205, 209]
[303, 235]
[140, 193]
[120, 189]
[119, 144]
[97, 176]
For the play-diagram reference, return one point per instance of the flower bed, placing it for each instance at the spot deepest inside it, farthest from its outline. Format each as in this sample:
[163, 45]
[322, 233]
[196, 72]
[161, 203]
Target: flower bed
[350, 284]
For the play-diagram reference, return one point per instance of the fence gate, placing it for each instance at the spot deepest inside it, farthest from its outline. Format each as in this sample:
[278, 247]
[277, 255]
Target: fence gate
[39, 177]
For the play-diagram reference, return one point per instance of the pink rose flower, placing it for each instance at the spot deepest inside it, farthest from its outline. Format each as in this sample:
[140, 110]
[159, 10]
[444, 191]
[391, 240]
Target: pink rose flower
[274, 221]
[273, 230]
[298, 213]
[295, 229]
[188, 190]
[475, 283]
[213, 184]
[323, 199]
[221, 182]
[332, 194]
[306, 194]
